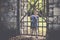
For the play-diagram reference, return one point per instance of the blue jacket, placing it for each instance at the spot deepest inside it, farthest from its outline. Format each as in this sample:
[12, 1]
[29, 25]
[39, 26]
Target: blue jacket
[34, 21]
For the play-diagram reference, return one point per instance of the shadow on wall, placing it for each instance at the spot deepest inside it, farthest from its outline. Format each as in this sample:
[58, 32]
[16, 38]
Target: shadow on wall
[58, 4]
[6, 33]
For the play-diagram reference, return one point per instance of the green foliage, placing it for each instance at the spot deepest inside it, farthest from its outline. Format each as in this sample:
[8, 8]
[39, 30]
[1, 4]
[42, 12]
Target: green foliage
[38, 4]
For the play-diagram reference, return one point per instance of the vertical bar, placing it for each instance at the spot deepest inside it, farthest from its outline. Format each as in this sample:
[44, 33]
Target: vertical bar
[27, 15]
[18, 23]
[42, 26]
[47, 6]
[38, 18]
[47, 13]
[30, 19]
[47, 9]
[43, 1]
[44, 6]
[27, 9]
[20, 16]
[23, 18]
[27, 24]
[42, 17]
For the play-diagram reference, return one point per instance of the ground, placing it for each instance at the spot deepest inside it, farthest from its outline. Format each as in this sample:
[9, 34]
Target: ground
[26, 37]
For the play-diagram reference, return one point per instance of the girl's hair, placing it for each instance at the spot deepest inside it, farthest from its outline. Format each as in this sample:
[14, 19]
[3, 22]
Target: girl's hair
[35, 9]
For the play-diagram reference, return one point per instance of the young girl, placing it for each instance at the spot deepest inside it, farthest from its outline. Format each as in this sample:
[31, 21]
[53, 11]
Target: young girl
[34, 22]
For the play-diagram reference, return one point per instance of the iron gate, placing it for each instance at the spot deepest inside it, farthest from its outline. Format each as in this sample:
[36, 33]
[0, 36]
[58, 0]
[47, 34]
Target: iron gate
[26, 10]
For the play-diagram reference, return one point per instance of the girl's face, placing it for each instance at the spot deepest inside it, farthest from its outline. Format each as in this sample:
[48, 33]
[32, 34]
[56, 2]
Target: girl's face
[35, 12]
